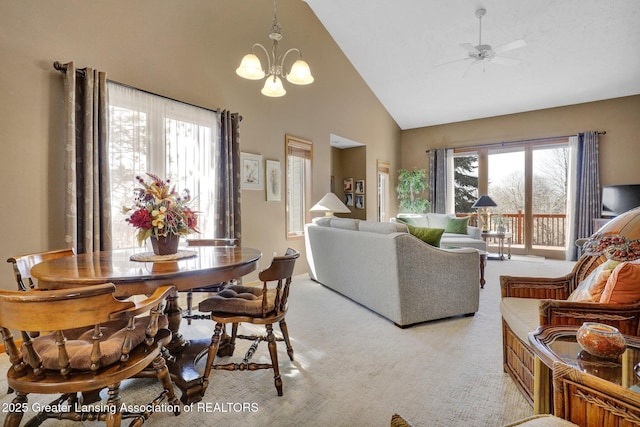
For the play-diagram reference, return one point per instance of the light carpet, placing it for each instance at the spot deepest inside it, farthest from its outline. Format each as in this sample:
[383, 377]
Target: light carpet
[355, 368]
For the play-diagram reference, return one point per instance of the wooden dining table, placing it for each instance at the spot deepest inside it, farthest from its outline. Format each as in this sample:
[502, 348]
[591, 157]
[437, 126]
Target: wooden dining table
[193, 267]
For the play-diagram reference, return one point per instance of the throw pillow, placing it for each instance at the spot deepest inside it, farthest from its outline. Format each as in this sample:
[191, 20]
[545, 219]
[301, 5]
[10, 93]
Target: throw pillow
[623, 286]
[431, 236]
[406, 220]
[457, 225]
[591, 288]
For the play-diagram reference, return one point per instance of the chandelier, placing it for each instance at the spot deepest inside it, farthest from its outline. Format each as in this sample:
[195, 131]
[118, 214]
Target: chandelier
[251, 68]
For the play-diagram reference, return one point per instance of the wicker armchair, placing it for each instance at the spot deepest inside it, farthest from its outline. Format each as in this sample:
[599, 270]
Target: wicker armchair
[553, 309]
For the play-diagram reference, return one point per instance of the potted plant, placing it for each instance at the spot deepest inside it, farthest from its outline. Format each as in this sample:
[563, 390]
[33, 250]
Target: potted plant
[160, 213]
[411, 185]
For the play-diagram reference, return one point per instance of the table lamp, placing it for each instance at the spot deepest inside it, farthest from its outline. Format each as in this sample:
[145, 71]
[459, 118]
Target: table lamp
[329, 204]
[482, 204]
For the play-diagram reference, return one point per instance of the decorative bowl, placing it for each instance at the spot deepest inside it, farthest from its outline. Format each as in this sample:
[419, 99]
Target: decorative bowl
[601, 340]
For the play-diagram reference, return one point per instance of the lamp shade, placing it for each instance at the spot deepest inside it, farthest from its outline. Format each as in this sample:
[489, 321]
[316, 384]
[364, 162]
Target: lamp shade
[329, 204]
[273, 87]
[619, 239]
[250, 67]
[484, 202]
[300, 73]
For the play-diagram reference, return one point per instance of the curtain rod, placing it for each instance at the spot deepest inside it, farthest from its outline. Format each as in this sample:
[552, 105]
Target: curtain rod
[63, 67]
[521, 141]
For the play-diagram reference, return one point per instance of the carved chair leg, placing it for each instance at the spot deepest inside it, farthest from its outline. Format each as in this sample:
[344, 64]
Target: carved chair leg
[285, 335]
[19, 404]
[211, 355]
[162, 372]
[114, 416]
[189, 306]
[273, 351]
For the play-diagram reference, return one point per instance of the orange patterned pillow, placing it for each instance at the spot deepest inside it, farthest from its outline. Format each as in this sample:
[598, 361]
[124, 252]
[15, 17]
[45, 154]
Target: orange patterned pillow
[623, 286]
[591, 288]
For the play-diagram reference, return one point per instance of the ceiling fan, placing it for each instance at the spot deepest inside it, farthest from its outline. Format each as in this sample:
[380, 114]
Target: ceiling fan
[483, 53]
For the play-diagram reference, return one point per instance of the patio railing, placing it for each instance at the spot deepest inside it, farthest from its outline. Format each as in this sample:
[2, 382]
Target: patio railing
[548, 229]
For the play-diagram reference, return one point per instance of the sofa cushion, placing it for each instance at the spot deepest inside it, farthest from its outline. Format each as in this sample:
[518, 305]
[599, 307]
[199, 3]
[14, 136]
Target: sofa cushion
[462, 241]
[436, 220]
[324, 221]
[522, 315]
[457, 225]
[623, 286]
[431, 236]
[345, 223]
[406, 220]
[591, 288]
[382, 227]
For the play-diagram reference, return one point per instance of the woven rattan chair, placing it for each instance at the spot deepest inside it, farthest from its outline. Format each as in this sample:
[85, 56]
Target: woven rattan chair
[88, 341]
[258, 305]
[518, 357]
[22, 265]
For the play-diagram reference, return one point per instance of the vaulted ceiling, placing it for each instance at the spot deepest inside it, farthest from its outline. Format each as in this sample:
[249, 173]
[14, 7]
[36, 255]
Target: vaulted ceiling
[576, 51]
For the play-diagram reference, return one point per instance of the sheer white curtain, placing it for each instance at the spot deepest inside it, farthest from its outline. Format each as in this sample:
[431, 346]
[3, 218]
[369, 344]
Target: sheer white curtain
[171, 139]
[572, 182]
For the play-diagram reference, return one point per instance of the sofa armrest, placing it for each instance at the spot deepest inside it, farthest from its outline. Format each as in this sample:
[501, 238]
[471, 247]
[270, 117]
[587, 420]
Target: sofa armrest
[474, 232]
[557, 288]
[625, 317]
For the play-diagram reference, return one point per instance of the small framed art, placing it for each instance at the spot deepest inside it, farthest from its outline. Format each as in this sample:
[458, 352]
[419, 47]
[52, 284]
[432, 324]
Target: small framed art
[348, 185]
[273, 178]
[348, 199]
[251, 174]
[359, 201]
[360, 186]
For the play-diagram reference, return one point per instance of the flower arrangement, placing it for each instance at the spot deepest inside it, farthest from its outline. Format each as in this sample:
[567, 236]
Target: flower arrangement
[160, 211]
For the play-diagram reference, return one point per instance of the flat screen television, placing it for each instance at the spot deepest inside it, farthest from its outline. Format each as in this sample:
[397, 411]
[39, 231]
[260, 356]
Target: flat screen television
[617, 199]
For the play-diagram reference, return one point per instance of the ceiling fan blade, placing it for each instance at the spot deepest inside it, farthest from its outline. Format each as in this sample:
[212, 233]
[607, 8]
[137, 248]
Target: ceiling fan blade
[476, 62]
[510, 46]
[452, 62]
[504, 60]
[469, 47]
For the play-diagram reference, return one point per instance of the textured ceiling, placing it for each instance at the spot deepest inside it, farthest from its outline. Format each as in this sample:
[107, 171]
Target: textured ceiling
[576, 51]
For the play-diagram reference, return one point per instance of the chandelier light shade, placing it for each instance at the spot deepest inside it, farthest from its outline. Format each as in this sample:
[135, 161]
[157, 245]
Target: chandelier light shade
[251, 68]
[329, 204]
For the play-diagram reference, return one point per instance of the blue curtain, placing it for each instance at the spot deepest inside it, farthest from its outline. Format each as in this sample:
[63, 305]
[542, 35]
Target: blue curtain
[587, 199]
[438, 180]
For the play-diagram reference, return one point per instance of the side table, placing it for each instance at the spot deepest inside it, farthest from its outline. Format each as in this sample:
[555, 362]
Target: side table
[501, 237]
[558, 344]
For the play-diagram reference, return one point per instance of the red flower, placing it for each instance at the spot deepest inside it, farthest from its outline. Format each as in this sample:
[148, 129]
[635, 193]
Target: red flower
[141, 219]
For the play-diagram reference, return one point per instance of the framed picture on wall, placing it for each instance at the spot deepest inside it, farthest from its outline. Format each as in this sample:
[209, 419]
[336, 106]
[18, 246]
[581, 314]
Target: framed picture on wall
[273, 178]
[360, 186]
[359, 201]
[251, 174]
[348, 185]
[348, 199]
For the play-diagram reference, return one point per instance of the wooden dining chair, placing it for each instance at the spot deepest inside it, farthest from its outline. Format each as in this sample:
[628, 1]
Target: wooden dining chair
[88, 341]
[258, 305]
[214, 287]
[22, 265]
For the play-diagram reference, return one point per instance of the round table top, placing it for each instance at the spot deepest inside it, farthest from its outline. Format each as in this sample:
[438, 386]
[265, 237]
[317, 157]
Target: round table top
[209, 265]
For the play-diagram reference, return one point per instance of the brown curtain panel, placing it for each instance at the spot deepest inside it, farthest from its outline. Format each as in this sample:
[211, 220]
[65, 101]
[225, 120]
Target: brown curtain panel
[228, 201]
[87, 200]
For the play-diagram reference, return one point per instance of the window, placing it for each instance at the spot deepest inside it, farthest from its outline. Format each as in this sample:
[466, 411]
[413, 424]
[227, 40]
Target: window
[383, 167]
[527, 180]
[299, 153]
[171, 139]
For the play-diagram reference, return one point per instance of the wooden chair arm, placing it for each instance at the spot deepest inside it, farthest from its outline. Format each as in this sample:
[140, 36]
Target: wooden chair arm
[625, 317]
[145, 305]
[557, 288]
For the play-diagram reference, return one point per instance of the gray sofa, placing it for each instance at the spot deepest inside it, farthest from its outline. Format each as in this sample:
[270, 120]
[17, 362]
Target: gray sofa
[391, 272]
[473, 238]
